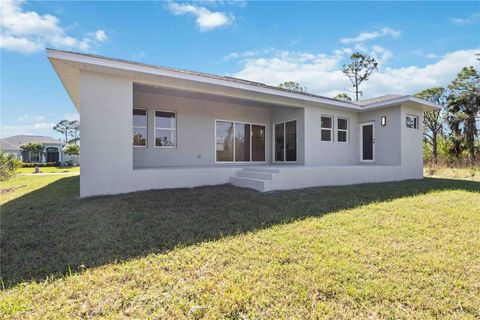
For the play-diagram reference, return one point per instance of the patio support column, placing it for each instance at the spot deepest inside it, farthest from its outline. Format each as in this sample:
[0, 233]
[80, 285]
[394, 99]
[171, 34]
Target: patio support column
[106, 126]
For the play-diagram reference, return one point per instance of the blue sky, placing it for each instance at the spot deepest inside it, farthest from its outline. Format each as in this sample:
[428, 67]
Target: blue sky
[418, 45]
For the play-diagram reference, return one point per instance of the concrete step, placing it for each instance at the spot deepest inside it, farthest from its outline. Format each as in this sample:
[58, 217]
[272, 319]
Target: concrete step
[256, 184]
[265, 170]
[254, 175]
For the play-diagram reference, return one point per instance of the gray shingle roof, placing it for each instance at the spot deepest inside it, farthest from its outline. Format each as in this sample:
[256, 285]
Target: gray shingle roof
[24, 139]
[7, 146]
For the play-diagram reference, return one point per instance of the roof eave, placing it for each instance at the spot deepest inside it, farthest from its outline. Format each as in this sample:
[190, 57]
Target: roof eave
[426, 105]
[130, 66]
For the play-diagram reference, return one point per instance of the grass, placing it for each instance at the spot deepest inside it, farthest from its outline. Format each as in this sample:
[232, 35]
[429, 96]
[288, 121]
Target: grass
[49, 170]
[472, 173]
[392, 250]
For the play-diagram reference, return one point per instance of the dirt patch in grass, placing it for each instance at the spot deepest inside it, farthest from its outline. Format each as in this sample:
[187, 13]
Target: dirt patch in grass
[11, 189]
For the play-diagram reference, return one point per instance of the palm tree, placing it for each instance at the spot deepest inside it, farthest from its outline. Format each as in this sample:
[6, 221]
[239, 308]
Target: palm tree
[464, 105]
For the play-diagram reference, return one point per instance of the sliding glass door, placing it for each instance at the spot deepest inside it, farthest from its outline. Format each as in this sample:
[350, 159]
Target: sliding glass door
[242, 142]
[239, 142]
[285, 148]
[258, 142]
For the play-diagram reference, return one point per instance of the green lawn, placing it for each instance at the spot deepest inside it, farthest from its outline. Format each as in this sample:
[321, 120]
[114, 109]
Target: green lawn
[403, 250]
[50, 169]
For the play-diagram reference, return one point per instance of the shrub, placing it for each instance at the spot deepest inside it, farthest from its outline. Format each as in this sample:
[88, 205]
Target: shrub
[39, 164]
[8, 165]
[473, 171]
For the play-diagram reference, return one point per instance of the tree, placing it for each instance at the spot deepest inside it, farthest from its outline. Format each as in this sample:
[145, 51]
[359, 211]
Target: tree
[8, 166]
[464, 105]
[75, 131]
[454, 121]
[72, 150]
[432, 120]
[343, 97]
[64, 128]
[69, 129]
[32, 147]
[293, 86]
[359, 70]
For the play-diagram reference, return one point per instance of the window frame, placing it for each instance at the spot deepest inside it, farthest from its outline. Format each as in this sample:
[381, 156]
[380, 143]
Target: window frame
[161, 128]
[234, 135]
[347, 131]
[146, 138]
[415, 122]
[323, 128]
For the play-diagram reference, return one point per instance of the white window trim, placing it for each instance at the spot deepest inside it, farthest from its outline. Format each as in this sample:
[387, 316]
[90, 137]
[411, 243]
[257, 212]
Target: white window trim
[416, 121]
[323, 128]
[133, 127]
[155, 129]
[343, 130]
[285, 142]
[234, 132]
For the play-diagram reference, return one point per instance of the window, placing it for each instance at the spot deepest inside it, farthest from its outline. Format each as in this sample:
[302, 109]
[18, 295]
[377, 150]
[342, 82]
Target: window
[239, 141]
[139, 127]
[327, 128]
[412, 122]
[342, 130]
[165, 129]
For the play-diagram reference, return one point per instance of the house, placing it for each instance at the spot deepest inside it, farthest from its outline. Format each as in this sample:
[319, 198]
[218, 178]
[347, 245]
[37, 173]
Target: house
[52, 148]
[8, 148]
[149, 127]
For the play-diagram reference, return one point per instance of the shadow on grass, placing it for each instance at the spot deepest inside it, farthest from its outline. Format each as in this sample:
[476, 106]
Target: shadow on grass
[50, 231]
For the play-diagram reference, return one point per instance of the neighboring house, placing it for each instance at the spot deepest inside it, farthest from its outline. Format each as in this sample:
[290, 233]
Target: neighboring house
[192, 129]
[52, 148]
[8, 148]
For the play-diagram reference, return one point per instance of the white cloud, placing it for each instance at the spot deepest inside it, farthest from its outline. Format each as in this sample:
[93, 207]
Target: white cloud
[28, 32]
[138, 56]
[424, 54]
[101, 36]
[473, 18]
[71, 116]
[39, 128]
[247, 54]
[27, 117]
[322, 74]
[365, 36]
[206, 20]
[381, 54]
[36, 124]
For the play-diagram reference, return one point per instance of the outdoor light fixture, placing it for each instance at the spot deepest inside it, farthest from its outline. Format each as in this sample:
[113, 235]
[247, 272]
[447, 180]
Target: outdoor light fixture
[383, 122]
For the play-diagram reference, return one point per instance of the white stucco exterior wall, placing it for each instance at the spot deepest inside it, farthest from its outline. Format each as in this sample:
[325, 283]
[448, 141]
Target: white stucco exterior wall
[412, 146]
[108, 155]
[106, 126]
[387, 138]
[325, 153]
